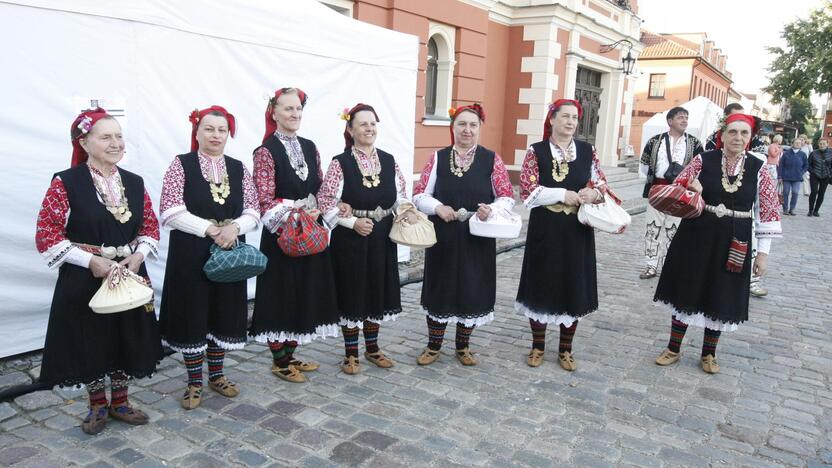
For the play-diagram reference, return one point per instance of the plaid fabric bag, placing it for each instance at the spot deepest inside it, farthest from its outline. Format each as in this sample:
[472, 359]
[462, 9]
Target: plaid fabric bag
[302, 235]
[238, 263]
[737, 250]
[676, 200]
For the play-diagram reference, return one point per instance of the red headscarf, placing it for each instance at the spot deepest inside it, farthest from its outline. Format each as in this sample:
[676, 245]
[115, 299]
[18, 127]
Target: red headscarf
[454, 113]
[348, 115]
[554, 107]
[271, 125]
[197, 116]
[749, 119]
[81, 126]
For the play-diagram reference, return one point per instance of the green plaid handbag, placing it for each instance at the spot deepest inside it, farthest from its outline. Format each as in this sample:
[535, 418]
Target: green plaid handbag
[239, 263]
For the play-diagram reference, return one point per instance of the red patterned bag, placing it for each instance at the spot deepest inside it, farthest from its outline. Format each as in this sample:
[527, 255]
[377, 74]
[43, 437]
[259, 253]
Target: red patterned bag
[676, 200]
[737, 250]
[301, 235]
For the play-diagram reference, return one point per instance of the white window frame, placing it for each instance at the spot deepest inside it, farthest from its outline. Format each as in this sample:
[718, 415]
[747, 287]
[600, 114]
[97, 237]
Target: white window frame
[445, 38]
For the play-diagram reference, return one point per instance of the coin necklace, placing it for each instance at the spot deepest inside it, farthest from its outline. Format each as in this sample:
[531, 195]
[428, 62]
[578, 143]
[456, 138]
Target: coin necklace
[221, 191]
[369, 175]
[729, 187]
[457, 170]
[560, 168]
[120, 212]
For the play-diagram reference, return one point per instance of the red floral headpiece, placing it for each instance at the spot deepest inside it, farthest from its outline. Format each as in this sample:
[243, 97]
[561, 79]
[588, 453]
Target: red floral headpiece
[81, 126]
[455, 112]
[271, 125]
[749, 119]
[348, 116]
[197, 116]
[554, 107]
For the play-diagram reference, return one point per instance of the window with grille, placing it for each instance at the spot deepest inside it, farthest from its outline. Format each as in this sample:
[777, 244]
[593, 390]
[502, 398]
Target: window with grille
[656, 85]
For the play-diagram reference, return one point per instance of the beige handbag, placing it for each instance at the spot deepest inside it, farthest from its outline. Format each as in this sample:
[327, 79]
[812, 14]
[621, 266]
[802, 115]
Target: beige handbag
[121, 290]
[418, 234]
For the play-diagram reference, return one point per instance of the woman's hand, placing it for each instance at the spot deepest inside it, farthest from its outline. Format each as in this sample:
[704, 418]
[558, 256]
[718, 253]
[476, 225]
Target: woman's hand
[446, 213]
[695, 186]
[344, 210]
[760, 264]
[483, 212]
[588, 195]
[571, 198]
[212, 231]
[363, 226]
[133, 262]
[101, 266]
[227, 236]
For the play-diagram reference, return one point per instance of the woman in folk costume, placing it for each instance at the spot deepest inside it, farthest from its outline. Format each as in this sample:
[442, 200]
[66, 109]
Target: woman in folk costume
[558, 282]
[369, 182]
[207, 198]
[94, 217]
[706, 275]
[295, 300]
[460, 284]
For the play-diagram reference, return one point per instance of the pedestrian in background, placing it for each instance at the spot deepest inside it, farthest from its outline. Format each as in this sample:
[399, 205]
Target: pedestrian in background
[793, 165]
[807, 150]
[820, 171]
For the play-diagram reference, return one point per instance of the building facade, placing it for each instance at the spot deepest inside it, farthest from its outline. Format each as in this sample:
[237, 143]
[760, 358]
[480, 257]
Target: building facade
[675, 68]
[514, 57]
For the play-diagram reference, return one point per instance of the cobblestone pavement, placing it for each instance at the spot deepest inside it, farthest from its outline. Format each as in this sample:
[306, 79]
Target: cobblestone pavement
[770, 406]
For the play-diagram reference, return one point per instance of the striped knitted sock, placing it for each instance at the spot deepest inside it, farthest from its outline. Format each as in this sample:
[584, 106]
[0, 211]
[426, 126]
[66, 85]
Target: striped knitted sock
[216, 356]
[350, 341]
[98, 396]
[566, 335]
[463, 336]
[193, 362]
[291, 346]
[278, 349]
[677, 333]
[436, 333]
[538, 334]
[709, 342]
[118, 389]
[371, 336]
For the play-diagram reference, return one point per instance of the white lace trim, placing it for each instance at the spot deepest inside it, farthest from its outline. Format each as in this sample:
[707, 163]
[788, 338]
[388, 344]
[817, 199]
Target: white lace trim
[562, 319]
[226, 345]
[699, 320]
[323, 331]
[345, 322]
[178, 349]
[466, 322]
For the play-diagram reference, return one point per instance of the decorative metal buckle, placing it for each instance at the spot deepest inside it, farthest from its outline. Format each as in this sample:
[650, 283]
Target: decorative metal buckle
[721, 210]
[462, 215]
[377, 214]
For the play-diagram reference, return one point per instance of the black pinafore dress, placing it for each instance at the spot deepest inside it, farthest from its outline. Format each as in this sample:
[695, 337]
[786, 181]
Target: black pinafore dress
[558, 280]
[460, 281]
[694, 279]
[195, 309]
[295, 295]
[366, 268]
[82, 346]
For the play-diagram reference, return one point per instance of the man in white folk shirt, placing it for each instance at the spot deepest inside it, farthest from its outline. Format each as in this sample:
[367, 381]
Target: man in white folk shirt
[664, 157]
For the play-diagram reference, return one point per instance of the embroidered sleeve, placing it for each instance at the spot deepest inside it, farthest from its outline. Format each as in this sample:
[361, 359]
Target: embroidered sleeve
[50, 231]
[648, 149]
[690, 172]
[172, 202]
[330, 193]
[529, 175]
[501, 184]
[250, 218]
[767, 211]
[401, 189]
[423, 191]
[148, 237]
[597, 179]
[273, 211]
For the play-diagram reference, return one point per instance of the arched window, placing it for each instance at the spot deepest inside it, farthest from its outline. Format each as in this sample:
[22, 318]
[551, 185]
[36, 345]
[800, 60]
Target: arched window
[431, 83]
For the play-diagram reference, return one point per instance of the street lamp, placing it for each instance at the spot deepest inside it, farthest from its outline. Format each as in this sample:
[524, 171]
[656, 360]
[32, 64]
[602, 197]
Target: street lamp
[628, 62]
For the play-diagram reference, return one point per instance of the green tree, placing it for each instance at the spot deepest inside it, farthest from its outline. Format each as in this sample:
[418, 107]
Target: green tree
[809, 51]
[801, 113]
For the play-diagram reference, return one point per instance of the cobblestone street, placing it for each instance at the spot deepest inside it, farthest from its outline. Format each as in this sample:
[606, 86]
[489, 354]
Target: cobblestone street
[771, 405]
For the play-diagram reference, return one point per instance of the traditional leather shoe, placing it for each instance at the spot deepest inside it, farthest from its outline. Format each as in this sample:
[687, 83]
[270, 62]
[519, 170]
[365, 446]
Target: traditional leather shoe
[648, 273]
[757, 291]
[96, 420]
[465, 357]
[378, 358]
[304, 366]
[192, 397]
[289, 374]
[709, 364]
[224, 387]
[350, 365]
[128, 414]
[667, 357]
[428, 356]
[566, 361]
[535, 358]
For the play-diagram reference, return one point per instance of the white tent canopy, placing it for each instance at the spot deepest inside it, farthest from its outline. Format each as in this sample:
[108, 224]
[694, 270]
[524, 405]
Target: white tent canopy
[152, 62]
[703, 117]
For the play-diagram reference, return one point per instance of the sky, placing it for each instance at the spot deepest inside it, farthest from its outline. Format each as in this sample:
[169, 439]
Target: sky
[741, 28]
